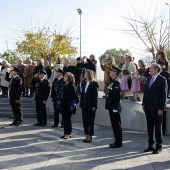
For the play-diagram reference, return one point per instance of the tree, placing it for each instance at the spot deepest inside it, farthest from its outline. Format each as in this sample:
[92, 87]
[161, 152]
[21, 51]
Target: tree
[10, 56]
[46, 44]
[116, 54]
[151, 30]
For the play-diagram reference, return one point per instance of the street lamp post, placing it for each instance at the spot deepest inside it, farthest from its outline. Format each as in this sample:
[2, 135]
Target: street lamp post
[80, 12]
[169, 27]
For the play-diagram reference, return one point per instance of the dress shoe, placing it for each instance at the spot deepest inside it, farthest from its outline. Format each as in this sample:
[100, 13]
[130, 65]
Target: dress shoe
[149, 149]
[85, 140]
[12, 124]
[67, 136]
[157, 151]
[63, 136]
[115, 145]
[37, 124]
[61, 126]
[43, 125]
[18, 124]
[53, 126]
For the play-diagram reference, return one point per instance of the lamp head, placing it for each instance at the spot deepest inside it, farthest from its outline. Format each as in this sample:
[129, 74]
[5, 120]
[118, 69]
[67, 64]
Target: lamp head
[79, 11]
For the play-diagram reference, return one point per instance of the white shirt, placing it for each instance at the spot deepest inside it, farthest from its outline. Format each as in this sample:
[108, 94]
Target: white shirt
[87, 85]
[154, 77]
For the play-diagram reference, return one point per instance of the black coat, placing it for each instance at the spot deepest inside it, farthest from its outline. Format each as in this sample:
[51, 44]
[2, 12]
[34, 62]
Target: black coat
[155, 97]
[78, 71]
[91, 65]
[42, 90]
[56, 86]
[69, 94]
[49, 72]
[68, 69]
[38, 68]
[90, 98]
[113, 96]
[15, 89]
[166, 64]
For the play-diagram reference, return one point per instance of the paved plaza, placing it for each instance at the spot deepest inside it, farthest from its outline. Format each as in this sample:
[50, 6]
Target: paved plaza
[36, 148]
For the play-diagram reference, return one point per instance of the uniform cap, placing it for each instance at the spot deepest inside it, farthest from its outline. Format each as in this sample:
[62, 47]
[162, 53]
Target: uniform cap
[42, 72]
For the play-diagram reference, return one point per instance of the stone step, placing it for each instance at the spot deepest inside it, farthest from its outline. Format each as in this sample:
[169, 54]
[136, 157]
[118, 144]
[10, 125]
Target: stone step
[23, 105]
[24, 110]
[25, 115]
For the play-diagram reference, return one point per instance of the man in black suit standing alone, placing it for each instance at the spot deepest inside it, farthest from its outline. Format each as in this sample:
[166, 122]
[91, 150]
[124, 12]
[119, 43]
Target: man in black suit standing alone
[154, 100]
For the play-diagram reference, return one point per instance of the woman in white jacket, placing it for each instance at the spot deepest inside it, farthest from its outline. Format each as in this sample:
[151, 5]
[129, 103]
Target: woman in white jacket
[129, 65]
[4, 83]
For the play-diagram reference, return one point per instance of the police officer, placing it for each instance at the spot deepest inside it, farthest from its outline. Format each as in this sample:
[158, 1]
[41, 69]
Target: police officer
[15, 89]
[113, 105]
[56, 86]
[42, 91]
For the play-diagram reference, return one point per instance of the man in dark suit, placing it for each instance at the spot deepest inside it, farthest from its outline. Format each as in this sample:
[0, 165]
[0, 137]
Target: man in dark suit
[113, 105]
[48, 69]
[167, 76]
[153, 104]
[42, 91]
[15, 89]
[67, 67]
[56, 86]
[78, 74]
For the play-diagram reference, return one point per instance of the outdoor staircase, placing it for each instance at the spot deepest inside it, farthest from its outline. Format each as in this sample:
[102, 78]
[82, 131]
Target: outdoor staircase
[27, 106]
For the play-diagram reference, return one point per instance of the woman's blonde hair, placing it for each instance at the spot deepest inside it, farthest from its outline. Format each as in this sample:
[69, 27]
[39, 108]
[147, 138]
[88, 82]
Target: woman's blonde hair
[90, 75]
[71, 78]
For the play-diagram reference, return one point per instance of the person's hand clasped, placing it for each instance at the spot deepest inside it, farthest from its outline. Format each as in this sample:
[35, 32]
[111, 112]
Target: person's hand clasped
[44, 102]
[160, 112]
[93, 109]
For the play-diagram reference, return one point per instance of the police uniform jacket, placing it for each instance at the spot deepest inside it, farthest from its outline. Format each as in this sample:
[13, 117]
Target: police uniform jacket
[113, 95]
[42, 90]
[15, 88]
[56, 86]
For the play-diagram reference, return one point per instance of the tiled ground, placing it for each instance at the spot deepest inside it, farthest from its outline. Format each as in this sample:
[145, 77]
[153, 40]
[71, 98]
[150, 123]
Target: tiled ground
[36, 148]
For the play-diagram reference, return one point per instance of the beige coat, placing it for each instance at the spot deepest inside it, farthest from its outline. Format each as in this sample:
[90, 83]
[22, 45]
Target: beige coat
[106, 68]
[28, 75]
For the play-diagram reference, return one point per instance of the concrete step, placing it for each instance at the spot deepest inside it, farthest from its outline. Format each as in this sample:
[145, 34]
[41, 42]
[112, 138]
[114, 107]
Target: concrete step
[25, 115]
[23, 105]
[24, 110]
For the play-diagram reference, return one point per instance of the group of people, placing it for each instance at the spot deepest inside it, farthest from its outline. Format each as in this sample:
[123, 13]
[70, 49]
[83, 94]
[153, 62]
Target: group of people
[75, 84]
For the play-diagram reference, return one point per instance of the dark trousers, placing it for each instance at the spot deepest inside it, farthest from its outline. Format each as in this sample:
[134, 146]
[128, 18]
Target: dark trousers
[164, 123]
[27, 91]
[56, 113]
[17, 112]
[116, 126]
[154, 121]
[77, 84]
[66, 116]
[88, 121]
[41, 112]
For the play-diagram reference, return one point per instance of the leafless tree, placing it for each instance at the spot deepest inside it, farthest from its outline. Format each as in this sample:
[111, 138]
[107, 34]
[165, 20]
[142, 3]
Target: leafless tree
[150, 27]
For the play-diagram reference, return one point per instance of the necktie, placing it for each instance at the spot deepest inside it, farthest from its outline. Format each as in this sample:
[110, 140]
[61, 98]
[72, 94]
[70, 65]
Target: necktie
[151, 82]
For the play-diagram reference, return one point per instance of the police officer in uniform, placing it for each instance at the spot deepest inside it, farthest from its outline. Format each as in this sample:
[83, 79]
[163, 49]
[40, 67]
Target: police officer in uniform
[56, 86]
[15, 89]
[42, 91]
[113, 105]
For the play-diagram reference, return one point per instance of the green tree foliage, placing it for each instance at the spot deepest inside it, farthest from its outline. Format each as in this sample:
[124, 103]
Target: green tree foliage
[47, 44]
[116, 54]
[168, 54]
[10, 56]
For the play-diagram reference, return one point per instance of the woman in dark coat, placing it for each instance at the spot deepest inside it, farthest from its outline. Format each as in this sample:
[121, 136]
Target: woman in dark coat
[162, 57]
[67, 100]
[88, 104]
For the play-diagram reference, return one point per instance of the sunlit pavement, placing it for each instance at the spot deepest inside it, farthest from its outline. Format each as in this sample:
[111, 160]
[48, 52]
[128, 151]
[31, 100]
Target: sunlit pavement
[35, 148]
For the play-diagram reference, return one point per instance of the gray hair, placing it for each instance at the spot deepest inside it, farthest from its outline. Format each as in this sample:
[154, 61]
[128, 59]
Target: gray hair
[29, 61]
[156, 66]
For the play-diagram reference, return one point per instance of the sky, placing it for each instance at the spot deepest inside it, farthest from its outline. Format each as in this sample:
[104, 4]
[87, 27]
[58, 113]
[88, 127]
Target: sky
[100, 18]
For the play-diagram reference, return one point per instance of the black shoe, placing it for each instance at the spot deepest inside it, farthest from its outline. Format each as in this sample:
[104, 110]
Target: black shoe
[61, 126]
[53, 126]
[37, 124]
[43, 125]
[115, 145]
[157, 151]
[18, 124]
[149, 149]
[85, 140]
[12, 124]
[62, 137]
